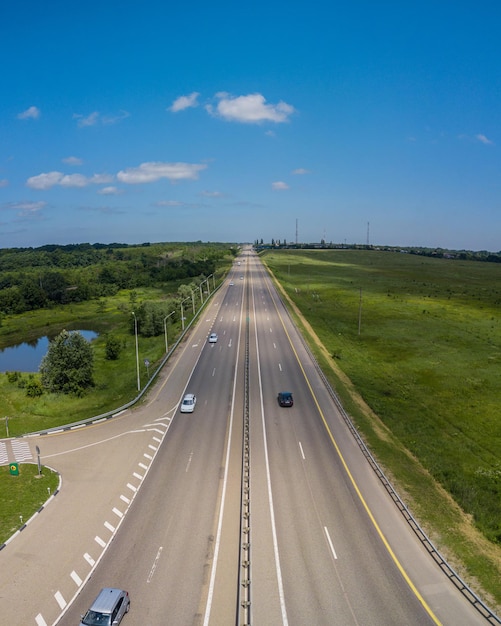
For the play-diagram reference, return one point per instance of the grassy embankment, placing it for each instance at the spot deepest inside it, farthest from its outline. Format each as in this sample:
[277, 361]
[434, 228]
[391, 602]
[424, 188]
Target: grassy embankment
[421, 381]
[22, 495]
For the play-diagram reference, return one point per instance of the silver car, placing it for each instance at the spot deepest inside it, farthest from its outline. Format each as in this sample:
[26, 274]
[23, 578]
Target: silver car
[188, 403]
[108, 608]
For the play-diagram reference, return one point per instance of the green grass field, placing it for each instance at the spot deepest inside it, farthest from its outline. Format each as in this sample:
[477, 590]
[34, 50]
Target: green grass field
[22, 495]
[420, 339]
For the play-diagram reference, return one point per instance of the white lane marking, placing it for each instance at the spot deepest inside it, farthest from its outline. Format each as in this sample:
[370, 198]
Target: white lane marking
[4, 456]
[280, 366]
[138, 476]
[217, 544]
[125, 499]
[109, 526]
[278, 568]
[147, 456]
[157, 439]
[21, 450]
[59, 599]
[330, 542]
[151, 447]
[302, 451]
[154, 566]
[131, 487]
[76, 578]
[90, 445]
[143, 466]
[189, 462]
[213, 372]
[117, 512]
[89, 559]
[100, 541]
[40, 620]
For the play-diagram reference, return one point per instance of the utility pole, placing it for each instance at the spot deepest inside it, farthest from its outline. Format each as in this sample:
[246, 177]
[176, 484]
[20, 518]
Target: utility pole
[360, 313]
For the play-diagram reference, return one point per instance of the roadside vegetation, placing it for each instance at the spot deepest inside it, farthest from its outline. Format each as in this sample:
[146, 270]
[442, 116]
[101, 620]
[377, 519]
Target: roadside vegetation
[48, 291]
[22, 495]
[123, 285]
[412, 344]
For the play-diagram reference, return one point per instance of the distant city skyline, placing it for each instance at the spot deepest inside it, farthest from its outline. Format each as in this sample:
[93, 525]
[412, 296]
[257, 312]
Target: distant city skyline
[221, 122]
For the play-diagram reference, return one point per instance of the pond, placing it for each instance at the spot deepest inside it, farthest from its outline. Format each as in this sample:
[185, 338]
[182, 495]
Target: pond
[26, 357]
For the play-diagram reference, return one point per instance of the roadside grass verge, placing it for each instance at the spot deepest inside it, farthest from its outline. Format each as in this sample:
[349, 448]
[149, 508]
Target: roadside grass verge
[420, 380]
[21, 496]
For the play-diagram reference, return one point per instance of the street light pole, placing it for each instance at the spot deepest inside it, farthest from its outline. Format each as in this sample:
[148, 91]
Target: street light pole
[182, 312]
[165, 331]
[137, 353]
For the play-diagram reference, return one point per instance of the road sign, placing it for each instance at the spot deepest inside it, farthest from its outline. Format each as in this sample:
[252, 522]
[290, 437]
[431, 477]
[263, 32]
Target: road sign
[14, 469]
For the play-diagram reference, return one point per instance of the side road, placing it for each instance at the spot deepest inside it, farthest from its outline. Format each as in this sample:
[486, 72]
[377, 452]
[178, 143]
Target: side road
[102, 468]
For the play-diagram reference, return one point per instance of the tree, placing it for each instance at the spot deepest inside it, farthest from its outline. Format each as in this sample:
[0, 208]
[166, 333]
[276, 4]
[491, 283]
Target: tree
[67, 367]
[113, 347]
[34, 388]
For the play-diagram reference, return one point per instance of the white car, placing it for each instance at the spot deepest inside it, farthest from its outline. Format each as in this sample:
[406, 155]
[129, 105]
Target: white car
[212, 338]
[188, 403]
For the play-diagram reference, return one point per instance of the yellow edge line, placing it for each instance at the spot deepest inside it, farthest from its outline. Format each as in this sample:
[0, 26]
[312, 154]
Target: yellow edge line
[355, 486]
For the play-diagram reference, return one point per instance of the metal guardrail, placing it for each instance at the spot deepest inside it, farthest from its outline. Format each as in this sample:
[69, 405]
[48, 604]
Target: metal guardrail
[244, 609]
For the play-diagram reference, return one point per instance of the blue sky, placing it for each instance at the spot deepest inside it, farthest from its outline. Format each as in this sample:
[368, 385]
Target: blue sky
[223, 121]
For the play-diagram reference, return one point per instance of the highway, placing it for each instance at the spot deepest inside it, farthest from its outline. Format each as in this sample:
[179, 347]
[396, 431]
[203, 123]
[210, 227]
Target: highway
[242, 512]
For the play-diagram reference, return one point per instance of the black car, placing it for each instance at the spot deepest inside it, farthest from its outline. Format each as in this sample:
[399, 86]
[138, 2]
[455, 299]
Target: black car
[285, 398]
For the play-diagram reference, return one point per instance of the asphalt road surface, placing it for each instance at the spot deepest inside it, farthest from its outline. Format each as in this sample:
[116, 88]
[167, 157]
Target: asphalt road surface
[155, 501]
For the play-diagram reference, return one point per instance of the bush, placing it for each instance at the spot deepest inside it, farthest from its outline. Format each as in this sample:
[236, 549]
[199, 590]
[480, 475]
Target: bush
[113, 348]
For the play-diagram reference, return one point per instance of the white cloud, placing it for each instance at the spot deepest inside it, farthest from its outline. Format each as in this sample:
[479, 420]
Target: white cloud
[96, 118]
[153, 171]
[483, 139]
[25, 208]
[113, 119]
[78, 180]
[50, 179]
[169, 203]
[32, 113]
[279, 186]
[212, 194]
[250, 109]
[72, 160]
[89, 120]
[109, 191]
[184, 102]
[3, 182]
[45, 180]
[300, 171]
